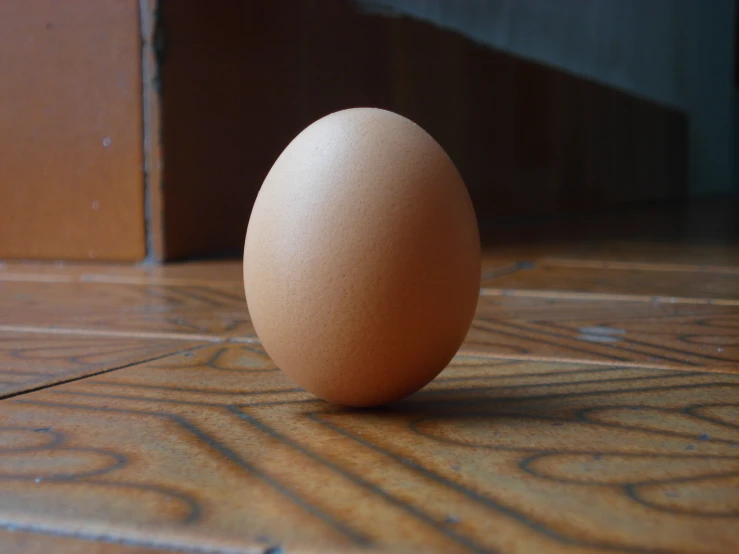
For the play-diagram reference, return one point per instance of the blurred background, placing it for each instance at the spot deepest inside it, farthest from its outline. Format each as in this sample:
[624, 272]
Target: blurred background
[137, 131]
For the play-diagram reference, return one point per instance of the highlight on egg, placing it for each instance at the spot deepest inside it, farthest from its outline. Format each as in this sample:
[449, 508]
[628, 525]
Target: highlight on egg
[362, 258]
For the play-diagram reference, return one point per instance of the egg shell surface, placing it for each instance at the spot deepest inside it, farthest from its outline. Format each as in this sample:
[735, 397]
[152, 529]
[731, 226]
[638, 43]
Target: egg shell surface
[362, 258]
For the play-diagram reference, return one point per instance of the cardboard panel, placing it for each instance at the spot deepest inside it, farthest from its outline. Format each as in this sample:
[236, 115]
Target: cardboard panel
[71, 179]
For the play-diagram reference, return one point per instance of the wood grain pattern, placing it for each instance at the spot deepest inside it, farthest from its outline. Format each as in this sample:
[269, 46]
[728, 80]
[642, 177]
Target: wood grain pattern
[650, 284]
[32, 360]
[587, 412]
[612, 333]
[70, 130]
[214, 450]
[21, 542]
[192, 311]
[212, 273]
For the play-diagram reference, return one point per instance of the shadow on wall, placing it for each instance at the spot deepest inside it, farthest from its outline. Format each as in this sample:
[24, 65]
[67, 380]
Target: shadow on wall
[679, 53]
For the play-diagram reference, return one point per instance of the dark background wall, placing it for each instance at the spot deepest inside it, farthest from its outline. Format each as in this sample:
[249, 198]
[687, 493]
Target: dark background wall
[241, 79]
[679, 53]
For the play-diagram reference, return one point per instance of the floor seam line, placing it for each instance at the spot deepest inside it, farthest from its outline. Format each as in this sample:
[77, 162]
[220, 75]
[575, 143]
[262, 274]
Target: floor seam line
[71, 331]
[45, 386]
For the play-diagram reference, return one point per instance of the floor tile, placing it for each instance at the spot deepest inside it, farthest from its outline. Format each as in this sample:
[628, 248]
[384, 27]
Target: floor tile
[190, 309]
[501, 259]
[665, 286]
[216, 449]
[21, 542]
[32, 360]
[653, 255]
[643, 333]
[191, 273]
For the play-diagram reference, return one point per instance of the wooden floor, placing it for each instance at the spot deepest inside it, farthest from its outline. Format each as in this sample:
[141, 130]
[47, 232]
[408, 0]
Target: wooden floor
[593, 408]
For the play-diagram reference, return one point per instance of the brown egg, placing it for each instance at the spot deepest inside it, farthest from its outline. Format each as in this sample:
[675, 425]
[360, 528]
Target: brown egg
[362, 258]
